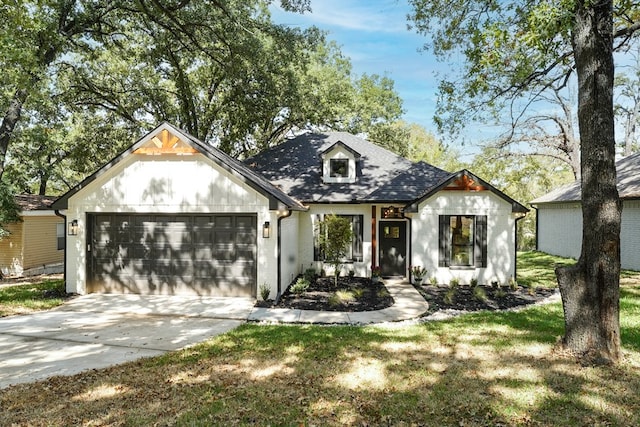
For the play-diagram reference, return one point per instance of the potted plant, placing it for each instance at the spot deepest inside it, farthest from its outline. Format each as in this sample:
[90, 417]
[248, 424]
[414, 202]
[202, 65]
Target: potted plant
[418, 273]
[376, 273]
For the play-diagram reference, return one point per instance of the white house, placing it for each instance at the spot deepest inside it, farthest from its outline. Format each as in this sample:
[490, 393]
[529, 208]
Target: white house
[559, 226]
[173, 215]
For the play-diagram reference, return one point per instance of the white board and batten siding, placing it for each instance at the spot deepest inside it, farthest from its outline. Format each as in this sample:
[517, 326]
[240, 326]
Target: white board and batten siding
[501, 222]
[170, 184]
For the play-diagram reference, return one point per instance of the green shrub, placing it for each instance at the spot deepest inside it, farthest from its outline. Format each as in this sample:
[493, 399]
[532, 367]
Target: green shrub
[474, 282]
[310, 274]
[433, 280]
[265, 291]
[300, 286]
[450, 297]
[383, 293]
[479, 293]
[454, 283]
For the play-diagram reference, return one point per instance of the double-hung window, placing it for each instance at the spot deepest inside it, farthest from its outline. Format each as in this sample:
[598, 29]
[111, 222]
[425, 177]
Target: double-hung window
[354, 253]
[60, 238]
[463, 241]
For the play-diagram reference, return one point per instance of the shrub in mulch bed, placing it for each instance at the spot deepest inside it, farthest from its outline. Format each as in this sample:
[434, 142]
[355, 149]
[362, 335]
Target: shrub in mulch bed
[475, 298]
[352, 294]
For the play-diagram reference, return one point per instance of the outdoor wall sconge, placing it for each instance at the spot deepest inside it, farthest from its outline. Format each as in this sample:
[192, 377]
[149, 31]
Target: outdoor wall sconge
[266, 230]
[73, 228]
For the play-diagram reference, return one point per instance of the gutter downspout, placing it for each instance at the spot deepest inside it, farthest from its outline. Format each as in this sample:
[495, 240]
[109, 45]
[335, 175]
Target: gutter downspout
[535, 208]
[515, 249]
[287, 214]
[64, 257]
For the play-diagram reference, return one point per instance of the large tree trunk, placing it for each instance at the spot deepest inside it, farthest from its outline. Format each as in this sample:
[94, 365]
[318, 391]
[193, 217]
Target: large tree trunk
[590, 290]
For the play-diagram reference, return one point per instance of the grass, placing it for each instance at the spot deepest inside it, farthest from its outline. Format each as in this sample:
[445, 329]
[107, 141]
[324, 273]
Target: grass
[536, 269]
[27, 298]
[489, 368]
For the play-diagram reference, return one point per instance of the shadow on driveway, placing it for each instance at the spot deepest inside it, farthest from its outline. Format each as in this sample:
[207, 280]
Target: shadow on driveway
[95, 331]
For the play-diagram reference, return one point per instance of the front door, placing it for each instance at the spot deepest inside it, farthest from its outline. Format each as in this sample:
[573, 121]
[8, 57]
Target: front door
[393, 248]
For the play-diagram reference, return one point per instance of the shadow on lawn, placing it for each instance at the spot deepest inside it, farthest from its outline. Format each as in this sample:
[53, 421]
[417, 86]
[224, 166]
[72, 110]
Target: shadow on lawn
[479, 369]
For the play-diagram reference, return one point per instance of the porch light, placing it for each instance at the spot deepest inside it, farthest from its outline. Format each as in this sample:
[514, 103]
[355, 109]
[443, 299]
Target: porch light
[72, 229]
[266, 230]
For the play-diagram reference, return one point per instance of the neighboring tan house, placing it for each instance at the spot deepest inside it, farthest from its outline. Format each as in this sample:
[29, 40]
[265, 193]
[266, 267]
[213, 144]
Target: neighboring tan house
[173, 215]
[35, 245]
[559, 226]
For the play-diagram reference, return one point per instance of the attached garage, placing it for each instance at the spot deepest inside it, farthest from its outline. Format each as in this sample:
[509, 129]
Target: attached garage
[173, 254]
[172, 215]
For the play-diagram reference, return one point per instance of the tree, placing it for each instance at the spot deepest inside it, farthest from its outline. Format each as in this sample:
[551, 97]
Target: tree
[114, 69]
[627, 105]
[334, 239]
[514, 50]
[551, 131]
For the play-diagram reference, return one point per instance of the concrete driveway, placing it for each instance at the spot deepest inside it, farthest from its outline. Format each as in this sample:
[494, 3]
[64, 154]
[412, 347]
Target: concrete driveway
[96, 331]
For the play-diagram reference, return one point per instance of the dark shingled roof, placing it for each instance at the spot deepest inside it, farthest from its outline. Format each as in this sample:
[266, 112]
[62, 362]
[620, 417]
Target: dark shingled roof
[628, 183]
[33, 202]
[295, 167]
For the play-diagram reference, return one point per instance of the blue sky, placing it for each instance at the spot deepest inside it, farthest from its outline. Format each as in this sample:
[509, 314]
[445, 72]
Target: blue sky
[374, 35]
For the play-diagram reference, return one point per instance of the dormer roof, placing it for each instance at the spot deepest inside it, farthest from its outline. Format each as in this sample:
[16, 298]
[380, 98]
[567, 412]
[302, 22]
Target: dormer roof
[340, 144]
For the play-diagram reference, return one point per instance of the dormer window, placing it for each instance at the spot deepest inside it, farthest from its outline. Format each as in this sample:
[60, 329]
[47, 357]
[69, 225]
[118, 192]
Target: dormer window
[339, 168]
[339, 164]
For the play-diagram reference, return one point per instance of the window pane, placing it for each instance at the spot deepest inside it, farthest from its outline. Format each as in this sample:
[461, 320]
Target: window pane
[60, 236]
[339, 168]
[461, 240]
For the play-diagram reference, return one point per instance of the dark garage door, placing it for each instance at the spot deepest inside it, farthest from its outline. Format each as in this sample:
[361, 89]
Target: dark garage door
[172, 254]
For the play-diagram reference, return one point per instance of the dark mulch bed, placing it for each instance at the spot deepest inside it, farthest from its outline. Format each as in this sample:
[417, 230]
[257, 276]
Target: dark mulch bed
[464, 299]
[321, 295]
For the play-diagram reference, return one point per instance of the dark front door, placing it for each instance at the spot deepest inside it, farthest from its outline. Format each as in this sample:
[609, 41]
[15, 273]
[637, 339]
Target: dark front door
[393, 248]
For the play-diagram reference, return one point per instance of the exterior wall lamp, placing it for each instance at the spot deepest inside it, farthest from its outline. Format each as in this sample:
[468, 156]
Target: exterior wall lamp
[72, 229]
[266, 230]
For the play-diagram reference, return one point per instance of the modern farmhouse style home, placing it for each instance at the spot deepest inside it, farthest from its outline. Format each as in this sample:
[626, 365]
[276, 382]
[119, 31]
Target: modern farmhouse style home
[173, 215]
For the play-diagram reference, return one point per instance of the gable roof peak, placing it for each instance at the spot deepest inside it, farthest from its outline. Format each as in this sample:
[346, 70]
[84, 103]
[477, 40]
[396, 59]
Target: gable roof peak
[340, 143]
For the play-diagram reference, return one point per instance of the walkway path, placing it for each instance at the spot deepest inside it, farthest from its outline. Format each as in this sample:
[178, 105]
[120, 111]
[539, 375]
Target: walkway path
[408, 304]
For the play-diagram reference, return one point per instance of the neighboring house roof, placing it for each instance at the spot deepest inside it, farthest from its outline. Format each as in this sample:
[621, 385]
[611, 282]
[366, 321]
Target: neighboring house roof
[628, 183]
[383, 176]
[277, 198]
[34, 202]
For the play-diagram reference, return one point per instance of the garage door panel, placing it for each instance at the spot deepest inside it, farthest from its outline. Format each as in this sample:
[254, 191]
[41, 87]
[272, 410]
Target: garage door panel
[174, 254]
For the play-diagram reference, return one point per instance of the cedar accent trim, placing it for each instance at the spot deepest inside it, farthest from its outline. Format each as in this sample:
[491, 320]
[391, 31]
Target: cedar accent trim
[166, 143]
[374, 241]
[465, 183]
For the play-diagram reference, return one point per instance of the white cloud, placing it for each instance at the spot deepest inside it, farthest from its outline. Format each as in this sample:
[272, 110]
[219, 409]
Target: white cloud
[388, 16]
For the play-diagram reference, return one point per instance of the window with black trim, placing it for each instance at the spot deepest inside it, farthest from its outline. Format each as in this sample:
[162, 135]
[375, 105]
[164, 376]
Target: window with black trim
[339, 168]
[60, 236]
[355, 250]
[462, 241]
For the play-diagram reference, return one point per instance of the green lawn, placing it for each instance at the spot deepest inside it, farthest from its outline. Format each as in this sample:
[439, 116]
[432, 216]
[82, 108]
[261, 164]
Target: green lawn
[480, 369]
[26, 298]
